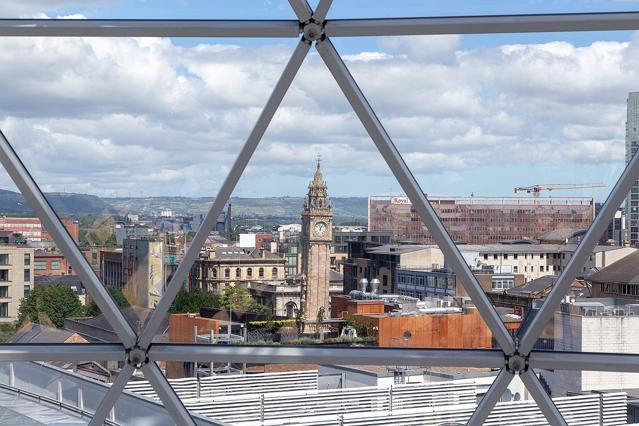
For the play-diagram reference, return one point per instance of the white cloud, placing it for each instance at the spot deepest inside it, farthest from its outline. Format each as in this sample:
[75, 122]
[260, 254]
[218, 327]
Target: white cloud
[36, 8]
[113, 115]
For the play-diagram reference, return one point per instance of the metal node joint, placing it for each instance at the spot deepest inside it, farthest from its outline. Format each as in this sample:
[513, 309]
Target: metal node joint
[137, 357]
[313, 30]
[516, 363]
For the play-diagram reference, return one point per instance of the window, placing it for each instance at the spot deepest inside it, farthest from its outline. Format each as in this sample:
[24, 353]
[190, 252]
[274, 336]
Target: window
[227, 272]
[55, 264]
[485, 256]
[260, 272]
[27, 275]
[214, 272]
[4, 309]
[27, 290]
[27, 259]
[4, 275]
[274, 272]
[515, 269]
[494, 257]
[4, 292]
[238, 272]
[249, 272]
[505, 256]
[501, 284]
[515, 256]
[4, 259]
[40, 265]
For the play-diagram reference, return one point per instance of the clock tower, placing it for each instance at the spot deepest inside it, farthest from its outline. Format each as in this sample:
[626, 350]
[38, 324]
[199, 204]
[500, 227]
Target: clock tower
[315, 242]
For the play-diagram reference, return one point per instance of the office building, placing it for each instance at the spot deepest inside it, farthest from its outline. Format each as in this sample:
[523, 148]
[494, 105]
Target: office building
[481, 220]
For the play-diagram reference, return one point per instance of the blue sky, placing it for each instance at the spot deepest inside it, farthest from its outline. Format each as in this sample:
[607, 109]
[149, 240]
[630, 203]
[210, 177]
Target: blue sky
[482, 132]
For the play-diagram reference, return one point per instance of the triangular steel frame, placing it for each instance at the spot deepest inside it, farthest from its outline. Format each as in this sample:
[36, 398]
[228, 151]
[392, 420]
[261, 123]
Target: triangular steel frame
[515, 357]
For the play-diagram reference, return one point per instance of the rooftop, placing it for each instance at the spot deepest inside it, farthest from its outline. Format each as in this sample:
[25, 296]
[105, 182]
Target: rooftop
[238, 254]
[625, 270]
[37, 333]
[399, 248]
[530, 248]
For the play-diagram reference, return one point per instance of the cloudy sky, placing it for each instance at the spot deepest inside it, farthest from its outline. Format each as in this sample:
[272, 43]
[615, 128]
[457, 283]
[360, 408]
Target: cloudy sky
[480, 114]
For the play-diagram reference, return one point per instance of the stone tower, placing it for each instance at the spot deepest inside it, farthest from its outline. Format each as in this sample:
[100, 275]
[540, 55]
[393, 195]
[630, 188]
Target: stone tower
[315, 241]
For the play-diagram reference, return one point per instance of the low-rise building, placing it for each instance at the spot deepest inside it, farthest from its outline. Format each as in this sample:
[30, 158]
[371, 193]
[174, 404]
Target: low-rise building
[537, 260]
[223, 266]
[619, 280]
[51, 264]
[287, 297]
[402, 321]
[368, 260]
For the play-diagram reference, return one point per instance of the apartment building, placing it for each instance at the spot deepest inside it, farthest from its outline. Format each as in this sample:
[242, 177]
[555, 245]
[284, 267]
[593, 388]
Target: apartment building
[16, 279]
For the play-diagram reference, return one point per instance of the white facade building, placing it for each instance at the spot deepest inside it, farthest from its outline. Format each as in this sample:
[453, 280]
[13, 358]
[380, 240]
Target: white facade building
[536, 260]
[595, 325]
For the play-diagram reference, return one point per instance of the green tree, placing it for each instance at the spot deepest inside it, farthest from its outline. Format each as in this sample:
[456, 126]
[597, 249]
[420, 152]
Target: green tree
[49, 305]
[237, 298]
[118, 297]
[192, 301]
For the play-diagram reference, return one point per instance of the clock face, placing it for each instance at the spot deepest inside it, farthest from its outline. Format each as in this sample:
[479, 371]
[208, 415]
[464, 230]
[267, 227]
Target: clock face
[320, 228]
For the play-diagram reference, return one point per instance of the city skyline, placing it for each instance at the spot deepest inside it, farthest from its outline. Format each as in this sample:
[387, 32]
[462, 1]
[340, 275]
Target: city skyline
[471, 114]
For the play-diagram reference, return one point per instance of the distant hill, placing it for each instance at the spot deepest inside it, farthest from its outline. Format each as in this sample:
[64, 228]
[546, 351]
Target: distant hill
[62, 203]
[344, 208]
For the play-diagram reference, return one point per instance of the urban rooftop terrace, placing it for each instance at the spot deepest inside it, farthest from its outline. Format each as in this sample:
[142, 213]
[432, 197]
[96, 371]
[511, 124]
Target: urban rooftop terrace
[515, 357]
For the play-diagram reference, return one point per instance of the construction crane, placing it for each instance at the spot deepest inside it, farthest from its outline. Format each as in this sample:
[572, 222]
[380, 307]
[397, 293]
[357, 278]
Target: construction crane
[536, 189]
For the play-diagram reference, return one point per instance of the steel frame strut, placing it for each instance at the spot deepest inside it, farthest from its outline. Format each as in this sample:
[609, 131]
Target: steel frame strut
[514, 357]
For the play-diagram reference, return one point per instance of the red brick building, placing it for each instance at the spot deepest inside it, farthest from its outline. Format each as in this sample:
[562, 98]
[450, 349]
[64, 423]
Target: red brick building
[51, 264]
